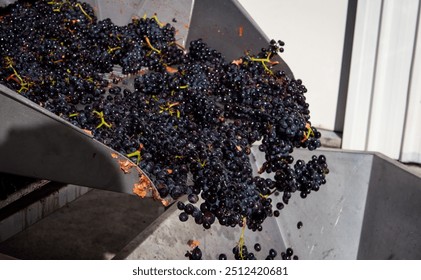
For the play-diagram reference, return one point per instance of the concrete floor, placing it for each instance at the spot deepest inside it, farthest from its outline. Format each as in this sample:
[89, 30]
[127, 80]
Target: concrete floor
[95, 226]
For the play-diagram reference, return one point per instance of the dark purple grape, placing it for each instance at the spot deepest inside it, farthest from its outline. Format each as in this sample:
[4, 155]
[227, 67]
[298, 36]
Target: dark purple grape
[272, 253]
[289, 252]
[257, 247]
[183, 217]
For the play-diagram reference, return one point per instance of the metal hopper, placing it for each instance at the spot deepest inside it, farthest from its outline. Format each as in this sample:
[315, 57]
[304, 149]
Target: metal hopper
[369, 208]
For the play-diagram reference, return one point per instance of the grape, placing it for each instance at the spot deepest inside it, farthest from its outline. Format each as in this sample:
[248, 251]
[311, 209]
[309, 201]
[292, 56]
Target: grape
[279, 205]
[289, 252]
[250, 256]
[193, 198]
[223, 257]
[180, 205]
[183, 217]
[257, 247]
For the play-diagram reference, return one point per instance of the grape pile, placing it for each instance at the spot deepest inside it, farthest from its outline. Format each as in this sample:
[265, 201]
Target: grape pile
[191, 118]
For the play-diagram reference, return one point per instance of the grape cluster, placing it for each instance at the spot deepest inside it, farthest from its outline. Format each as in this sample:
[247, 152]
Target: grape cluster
[189, 120]
[243, 253]
[289, 255]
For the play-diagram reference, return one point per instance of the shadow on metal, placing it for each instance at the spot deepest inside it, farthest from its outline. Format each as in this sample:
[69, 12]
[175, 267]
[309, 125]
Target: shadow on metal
[391, 226]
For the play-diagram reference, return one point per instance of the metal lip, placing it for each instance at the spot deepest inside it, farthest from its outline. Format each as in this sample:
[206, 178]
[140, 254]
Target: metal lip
[20, 99]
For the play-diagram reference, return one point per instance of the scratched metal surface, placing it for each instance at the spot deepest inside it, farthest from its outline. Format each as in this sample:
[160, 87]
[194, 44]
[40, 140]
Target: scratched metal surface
[166, 239]
[332, 217]
[369, 209]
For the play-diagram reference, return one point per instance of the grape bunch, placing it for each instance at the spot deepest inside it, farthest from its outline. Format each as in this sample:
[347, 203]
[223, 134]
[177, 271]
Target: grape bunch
[189, 120]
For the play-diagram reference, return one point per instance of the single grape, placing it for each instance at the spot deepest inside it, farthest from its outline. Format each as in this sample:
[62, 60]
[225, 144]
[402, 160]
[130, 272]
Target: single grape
[183, 216]
[257, 247]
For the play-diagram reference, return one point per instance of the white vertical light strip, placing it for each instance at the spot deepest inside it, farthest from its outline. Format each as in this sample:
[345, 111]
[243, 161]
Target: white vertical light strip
[361, 78]
[411, 149]
[392, 76]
